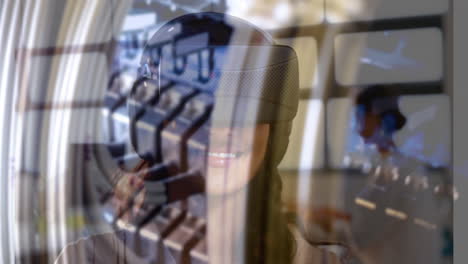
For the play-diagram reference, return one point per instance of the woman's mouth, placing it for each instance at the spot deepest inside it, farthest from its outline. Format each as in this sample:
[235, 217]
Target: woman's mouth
[222, 159]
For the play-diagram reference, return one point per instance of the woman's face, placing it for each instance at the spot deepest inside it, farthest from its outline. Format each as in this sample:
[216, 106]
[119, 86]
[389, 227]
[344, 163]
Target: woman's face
[235, 156]
[368, 126]
[375, 128]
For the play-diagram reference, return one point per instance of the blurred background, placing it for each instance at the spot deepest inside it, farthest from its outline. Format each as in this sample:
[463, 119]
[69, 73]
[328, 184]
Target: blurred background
[65, 64]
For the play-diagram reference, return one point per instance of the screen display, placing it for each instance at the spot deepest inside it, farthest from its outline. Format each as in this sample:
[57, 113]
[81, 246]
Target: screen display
[426, 135]
[400, 56]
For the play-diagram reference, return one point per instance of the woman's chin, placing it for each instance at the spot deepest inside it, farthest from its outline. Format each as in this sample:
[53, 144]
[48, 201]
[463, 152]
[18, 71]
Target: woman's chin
[225, 179]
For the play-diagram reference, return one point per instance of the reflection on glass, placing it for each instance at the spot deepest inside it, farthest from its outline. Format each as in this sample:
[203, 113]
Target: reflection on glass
[274, 14]
[397, 205]
[306, 143]
[425, 136]
[359, 10]
[306, 49]
[389, 57]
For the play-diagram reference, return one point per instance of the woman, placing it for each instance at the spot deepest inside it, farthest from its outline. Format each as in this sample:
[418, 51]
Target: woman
[405, 215]
[255, 87]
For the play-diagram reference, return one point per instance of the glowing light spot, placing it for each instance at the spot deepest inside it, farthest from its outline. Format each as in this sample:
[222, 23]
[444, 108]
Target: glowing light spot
[424, 224]
[395, 174]
[395, 213]
[365, 203]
